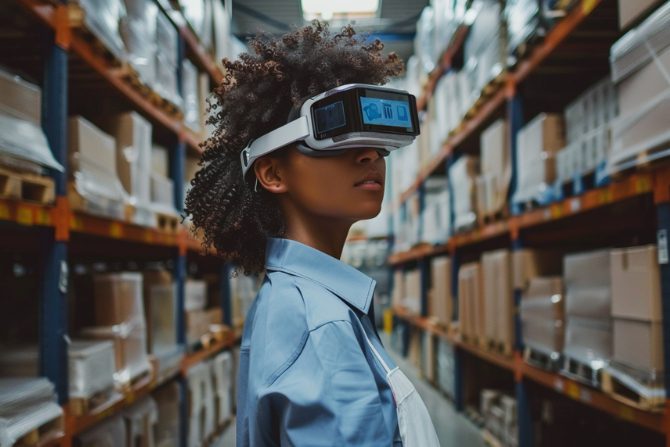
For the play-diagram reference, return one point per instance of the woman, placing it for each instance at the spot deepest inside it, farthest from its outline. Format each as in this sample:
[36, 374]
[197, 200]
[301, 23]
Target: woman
[313, 370]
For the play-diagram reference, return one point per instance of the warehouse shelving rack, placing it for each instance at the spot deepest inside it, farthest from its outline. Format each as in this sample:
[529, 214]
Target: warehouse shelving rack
[648, 186]
[61, 223]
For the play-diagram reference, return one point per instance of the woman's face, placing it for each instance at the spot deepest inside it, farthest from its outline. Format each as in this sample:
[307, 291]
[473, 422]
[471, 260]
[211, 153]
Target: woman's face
[348, 186]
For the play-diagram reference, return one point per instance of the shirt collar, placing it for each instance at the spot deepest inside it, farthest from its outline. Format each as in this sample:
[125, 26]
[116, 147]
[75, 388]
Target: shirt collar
[343, 280]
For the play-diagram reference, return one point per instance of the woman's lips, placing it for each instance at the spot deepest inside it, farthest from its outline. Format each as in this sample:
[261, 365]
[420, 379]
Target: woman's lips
[369, 185]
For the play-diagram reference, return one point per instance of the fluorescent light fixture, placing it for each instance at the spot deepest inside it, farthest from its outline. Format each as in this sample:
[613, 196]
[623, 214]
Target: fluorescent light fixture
[329, 9]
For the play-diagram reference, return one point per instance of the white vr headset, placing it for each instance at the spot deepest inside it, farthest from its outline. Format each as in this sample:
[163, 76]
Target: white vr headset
[347, 117]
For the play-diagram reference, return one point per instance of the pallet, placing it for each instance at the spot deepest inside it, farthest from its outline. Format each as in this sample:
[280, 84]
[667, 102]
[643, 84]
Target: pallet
[549, 361]
[489, 90]
[582, 372]
[42, 434]
[489, 218]
[80, 405]
[132, 77]
[27, 187]
[77, 22]
[639, 389]
[168, 223]
[644, 160]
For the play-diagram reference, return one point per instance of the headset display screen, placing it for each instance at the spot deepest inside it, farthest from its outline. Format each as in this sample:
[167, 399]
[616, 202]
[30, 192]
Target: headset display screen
[330, 117]
[386, 112]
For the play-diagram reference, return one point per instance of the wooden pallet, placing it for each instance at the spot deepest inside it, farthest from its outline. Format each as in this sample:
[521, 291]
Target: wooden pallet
[28, 187]
[42, 434]
[638, 389]
[549, 361]
[581, 372]
[488, 218]
[77, 21]
[168, 223]
[132, 77]
[79, 405]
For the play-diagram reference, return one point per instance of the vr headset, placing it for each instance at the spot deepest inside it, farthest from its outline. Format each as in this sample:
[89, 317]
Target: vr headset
[346, 117]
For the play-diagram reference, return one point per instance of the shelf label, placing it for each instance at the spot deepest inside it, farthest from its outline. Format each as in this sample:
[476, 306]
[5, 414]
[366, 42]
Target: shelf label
[575, 205]
[585, 395]
[662, 240]
[115, 230]
[556, 211]
[626, 413]
[42, 218]
[4, 211]
[642, 184]
[24, 216]
[588, 5]
[605, 196]
[572, 390]
[77, 224]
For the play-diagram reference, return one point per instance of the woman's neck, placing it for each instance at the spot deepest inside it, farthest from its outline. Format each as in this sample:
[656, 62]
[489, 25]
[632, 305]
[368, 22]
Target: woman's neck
[324, 234]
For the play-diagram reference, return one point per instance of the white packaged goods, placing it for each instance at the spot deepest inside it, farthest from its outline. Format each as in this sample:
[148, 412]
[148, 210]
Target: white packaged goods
[138, 30]
[195, 378]
[484, 52]
[101, 17]
[195, 294]
[436, 214]
[191, 98]
[167, 427]
[640, 62]
[140, 420]
[166, 60]
[424, 42]
[132, 134]
[93, 162]
[223, 46]
[91, 367]
[109, 433]
[25, 406]
[446, 367]
[537, 144]
[588, 340]
[412, 299]
[588, 285]
[26, 141]
[222, 367]
[462, 175]
[162, 194]
[161, 312]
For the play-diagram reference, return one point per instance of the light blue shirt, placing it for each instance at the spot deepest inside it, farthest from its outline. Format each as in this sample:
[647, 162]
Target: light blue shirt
[307, 375]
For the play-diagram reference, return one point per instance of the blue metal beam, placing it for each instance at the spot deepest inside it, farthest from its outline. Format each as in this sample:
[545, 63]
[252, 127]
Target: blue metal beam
[663, 221]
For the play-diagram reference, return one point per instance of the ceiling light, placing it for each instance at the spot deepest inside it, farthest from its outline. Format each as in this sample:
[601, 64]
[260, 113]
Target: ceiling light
[341, 9]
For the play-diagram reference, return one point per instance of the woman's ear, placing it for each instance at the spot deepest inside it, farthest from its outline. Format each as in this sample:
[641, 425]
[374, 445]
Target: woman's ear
[270, 176]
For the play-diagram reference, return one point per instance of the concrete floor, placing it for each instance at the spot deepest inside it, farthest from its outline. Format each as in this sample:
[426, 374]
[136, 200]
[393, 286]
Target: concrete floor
[453, 429]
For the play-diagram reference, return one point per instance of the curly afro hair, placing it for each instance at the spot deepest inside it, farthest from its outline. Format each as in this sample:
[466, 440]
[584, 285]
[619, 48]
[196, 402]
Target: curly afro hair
[256, 96]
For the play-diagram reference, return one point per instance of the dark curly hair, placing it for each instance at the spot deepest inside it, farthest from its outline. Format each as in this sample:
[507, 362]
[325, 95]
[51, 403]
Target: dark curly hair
[256, 96]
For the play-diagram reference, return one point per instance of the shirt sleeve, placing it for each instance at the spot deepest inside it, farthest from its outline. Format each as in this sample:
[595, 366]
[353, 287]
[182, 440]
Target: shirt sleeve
[328, 396]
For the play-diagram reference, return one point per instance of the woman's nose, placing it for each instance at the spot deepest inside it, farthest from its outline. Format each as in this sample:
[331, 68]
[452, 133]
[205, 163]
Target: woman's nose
[364, 156]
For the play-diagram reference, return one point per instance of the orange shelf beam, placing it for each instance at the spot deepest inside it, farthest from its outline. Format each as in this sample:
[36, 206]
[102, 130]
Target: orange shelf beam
[202, 57]
[26, 213]
[114, 229]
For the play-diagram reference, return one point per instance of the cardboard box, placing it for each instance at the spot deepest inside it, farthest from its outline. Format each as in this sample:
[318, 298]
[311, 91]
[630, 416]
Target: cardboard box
[631, 11]
[529, 263]
[498, 297]
[636, 283]
[132, 134]
[195, 294]
[412, 299]
[398, 294]
[588, 285]
[441, 299]
[198, 322]
[639, 344]
[588, 340]
[495, 166]
[20, 98]
[160, 306]
[428, 367]
[542, 334]
[162, 191]
[471, 300]
[414, 354]
[160, 160]
[118, 299]
[91, 149]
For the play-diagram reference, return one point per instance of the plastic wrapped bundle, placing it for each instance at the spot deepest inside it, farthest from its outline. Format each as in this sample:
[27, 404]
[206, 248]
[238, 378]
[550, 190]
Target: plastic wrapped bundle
[542, 314]
[436, 212]
[160, 306]
[138, 30]
[101, 17]
[26, 405]
[222, 367]
[462, 175]
[140, 420]
[91, 367]
[110, 433]
[191, 98]
[196, 403]
[167, 60]
[424, 43]
[167, 427]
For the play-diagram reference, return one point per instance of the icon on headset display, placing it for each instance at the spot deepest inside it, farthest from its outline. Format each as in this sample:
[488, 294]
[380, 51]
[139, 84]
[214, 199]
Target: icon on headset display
[372, 112]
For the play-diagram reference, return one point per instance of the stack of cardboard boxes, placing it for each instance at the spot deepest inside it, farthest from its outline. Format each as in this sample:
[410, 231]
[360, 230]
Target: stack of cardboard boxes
[537, 144]
[498, 298]
[496, 170]
[199, 318]
[637, 314]
[471, 302]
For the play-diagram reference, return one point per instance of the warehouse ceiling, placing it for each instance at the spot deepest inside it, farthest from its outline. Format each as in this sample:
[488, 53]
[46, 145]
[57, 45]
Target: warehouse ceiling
[395, 24]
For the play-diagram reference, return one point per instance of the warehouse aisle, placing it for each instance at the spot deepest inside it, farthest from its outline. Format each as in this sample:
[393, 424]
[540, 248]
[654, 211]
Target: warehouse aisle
[453, 429]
